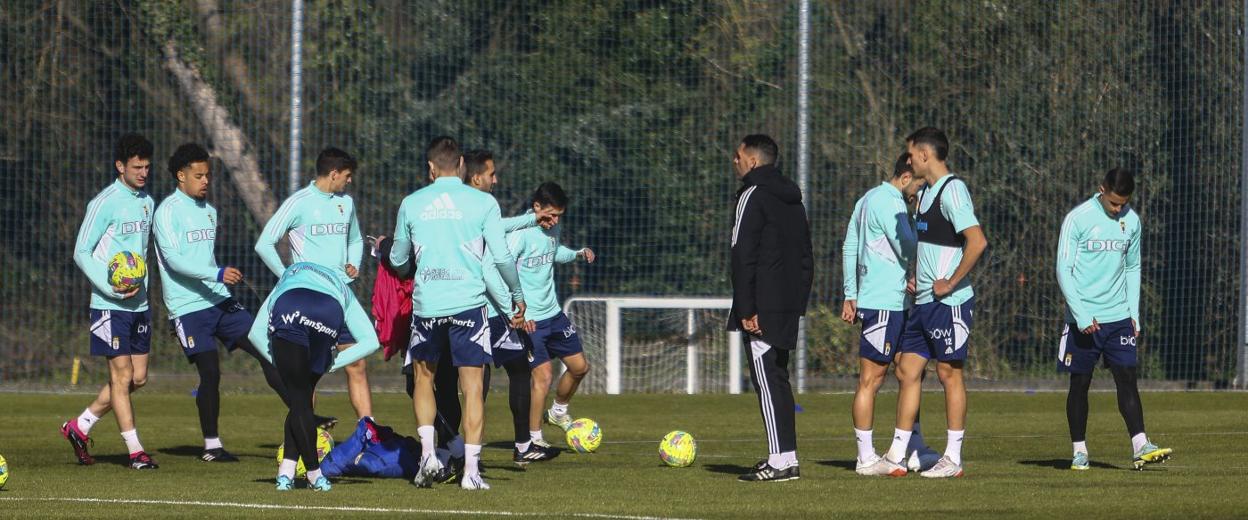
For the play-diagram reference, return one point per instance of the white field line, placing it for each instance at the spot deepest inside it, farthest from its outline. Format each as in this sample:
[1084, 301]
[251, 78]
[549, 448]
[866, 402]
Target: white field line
[348, 509]
[1020, 436]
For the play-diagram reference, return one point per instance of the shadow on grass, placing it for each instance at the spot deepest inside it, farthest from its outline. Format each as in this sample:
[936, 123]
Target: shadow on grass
[1063, 464]
[120, 460]
[267, 446]
[843, 464]
[730, 469]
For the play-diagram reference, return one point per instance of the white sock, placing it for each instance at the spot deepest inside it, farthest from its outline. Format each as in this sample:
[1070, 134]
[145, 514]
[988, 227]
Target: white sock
[456, 446]
[314, 475]
[1138, 441]
[535, 435]
[953, 449]
[1081, 447]
[916, 438]
[86, 421]
[472, 453]
[212, 442]
[132, 441]
[782, 460]
[559, 408]
[427, 439]
[866, 451]
[523, 446]
[897, 451]
[287, 468]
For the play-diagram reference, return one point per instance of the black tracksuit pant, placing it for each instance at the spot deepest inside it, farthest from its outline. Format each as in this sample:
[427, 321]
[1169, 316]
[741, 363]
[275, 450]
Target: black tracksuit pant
[769, 371]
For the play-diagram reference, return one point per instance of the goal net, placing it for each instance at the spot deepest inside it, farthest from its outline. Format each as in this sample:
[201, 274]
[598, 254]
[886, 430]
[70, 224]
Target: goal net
[657, 345]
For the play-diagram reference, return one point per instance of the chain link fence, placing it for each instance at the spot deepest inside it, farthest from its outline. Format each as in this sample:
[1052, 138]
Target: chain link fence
[635, 107]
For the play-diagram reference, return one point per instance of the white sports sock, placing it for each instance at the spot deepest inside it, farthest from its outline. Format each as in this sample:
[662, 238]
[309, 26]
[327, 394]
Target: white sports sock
[953, 449]
[782, 460]
[212, 442]
[456, 446]
[132, 441]
[535, 435]
[472, 453]
[314, 475]
[866, 451]
[86, 420]
[916, 438]
[523, 446]
[559, 408]
[287, 468]
[427, 440]
[897, 451]
[1137, 442]
[1081, 447]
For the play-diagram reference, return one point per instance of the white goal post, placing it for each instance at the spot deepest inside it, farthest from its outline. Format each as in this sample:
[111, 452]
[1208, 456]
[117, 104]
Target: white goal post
[652, 338]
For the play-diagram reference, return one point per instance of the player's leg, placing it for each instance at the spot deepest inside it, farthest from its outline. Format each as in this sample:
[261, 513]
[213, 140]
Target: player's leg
[271, 377]
[294, 365]
[874, 350]
[542, 374]
[1118, 341]
[563, 342]
[519, 381]
[450, 412]
[1077, 355]
[769, 375]
[948, 327]
[208, 402]
[127, 374]
[357, 380]
[914, 352]
[469, 337]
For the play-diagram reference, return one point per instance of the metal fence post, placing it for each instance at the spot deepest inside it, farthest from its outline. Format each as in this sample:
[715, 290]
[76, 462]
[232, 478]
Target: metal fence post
[296, 93]
[803, 153]
[1241, 376]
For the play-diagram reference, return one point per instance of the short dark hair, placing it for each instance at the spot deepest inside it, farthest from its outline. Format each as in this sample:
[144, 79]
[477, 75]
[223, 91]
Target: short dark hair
[902, 166]
[185, 155]
[133, 145]
[933, 137]
[764, 146]
[550, 194]
[333, 159]
[1120, 181]
[474, 163]
[444, 152]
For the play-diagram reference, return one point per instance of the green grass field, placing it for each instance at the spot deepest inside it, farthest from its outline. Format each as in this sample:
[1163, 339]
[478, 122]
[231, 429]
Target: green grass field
[1016, 456]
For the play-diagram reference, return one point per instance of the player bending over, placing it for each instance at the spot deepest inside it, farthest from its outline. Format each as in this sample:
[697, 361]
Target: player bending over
[201, 310]
[1098, 268]
[118, 219]
[297, 329]
[879, 245]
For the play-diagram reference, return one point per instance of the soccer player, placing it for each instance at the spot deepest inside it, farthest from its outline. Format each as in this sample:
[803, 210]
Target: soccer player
[1098, 269]
[194, 288]
[950, 243]
[446, 229]
[297, 330]
[320, 225]
[880, 243]
[772, 272]
[118, 219]
[550, 332]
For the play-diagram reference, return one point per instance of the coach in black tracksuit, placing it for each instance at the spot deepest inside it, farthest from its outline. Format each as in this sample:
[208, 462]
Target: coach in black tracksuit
[772, 270]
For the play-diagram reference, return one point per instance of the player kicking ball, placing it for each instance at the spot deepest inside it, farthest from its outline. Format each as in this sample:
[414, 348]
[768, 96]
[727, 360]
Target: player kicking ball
[1098, 269]
[297, 329]
[550, 332]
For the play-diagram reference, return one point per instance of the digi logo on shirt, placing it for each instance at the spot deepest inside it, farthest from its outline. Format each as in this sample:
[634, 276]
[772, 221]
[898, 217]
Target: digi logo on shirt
[533, 262]
[200, 235]
[327, 229]
[138, 226]
[1106, 246]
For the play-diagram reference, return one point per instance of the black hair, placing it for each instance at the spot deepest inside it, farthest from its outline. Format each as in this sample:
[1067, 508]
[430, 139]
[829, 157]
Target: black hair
[550, 194]
[902, 166]
[1120, 181]
[443, 152]
[331, 159]
[133, 145]
[474, 163]
[933, 137]
[764, 146]
[185, 155]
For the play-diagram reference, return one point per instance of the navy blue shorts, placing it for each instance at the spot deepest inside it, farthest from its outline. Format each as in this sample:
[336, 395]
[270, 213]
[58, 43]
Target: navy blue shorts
[311, 319]
[121, 333]
[506, 345]
[1077, 353]
[938, 331]
[881, 333]
[555, 337]
[227, 321]
[466, 335]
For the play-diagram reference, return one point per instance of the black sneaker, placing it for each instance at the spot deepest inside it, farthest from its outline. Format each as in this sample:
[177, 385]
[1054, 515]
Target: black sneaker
[324, 422]
[535, 453]
[142, 460]
[770, 474]
[451, 471]
[217, 455]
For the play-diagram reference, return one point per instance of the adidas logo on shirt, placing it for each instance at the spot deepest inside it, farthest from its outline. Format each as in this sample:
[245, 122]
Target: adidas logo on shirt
[442, 208]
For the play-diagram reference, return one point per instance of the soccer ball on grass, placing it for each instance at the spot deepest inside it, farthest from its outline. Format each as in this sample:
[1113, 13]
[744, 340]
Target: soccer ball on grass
[678, 449]
[584, 436]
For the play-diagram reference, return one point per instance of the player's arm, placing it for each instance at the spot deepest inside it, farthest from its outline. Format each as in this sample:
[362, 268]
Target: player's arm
[956, 206]
[93, 227]
[1067, 255]
[496, 242]
[849, 268]
[895, 222]
[519, 222]
[259, 333]
[401, 243]
[278, 225]
[355, 243]
[366, 340]
[1132, 269]
[746, 239]
[173, 251]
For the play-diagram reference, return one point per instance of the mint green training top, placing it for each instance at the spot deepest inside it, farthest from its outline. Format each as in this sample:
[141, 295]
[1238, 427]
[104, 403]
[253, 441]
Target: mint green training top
[118, 219]
[320, 227]
[186, 232]
[880, 243]
[1098, 264]
[537, 251]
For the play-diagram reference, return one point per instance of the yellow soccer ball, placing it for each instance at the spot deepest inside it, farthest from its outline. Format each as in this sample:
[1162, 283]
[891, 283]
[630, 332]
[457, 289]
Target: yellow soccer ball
[584, 436]
[324, 444]
[678, 449]
[4, 471]
[126, 271]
